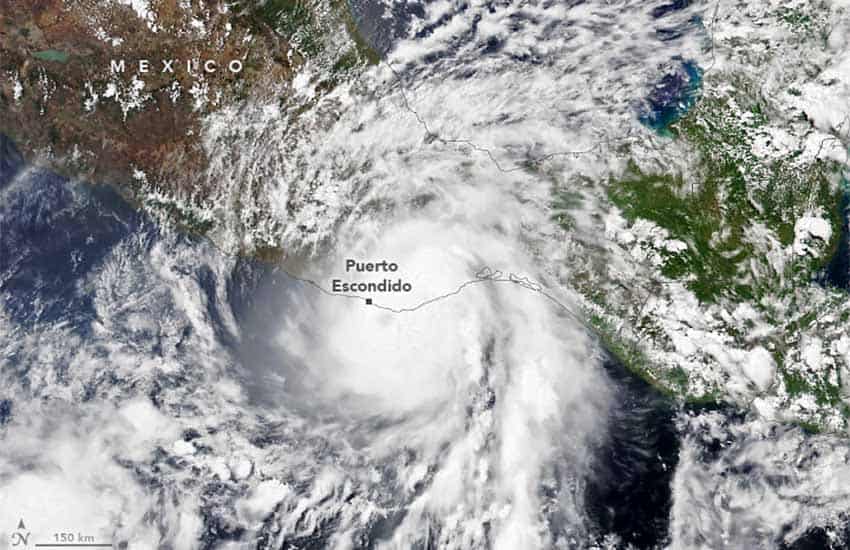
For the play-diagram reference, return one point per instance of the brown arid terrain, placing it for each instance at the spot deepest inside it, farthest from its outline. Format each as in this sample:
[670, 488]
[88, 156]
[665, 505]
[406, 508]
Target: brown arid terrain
[115, 91]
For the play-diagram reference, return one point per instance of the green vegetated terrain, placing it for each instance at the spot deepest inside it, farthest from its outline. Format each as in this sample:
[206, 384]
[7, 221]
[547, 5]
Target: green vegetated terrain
[310, 26]
[734, 189]
[713, 210]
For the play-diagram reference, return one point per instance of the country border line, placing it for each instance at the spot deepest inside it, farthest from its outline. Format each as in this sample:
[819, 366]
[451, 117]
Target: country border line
[533, 161]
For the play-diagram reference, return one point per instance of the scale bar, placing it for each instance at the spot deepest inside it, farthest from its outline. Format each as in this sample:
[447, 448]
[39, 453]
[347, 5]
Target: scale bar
[72, 545]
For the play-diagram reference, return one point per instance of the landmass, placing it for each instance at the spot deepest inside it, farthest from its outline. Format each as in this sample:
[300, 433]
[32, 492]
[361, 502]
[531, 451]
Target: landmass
[117, 91]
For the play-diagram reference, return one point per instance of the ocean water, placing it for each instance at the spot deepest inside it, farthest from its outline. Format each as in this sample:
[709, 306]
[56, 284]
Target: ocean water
[167, 394]
[838, 269]
[58, 236]
[672, 96]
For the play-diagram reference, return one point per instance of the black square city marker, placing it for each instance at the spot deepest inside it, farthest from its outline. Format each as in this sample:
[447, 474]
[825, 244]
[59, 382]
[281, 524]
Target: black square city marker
[368, 301]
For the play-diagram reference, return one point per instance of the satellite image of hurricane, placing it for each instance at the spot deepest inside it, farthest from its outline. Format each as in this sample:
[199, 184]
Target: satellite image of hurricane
[425, 274]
